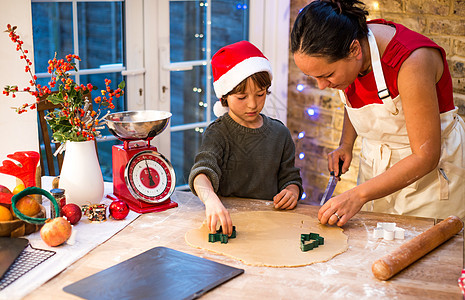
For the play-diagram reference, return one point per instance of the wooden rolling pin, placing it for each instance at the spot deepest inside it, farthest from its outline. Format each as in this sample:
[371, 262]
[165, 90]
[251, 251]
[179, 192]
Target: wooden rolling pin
[390, 264]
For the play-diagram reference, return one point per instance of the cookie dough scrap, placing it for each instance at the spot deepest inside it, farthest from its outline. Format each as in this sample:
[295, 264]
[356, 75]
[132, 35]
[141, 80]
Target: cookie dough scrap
[272, 239]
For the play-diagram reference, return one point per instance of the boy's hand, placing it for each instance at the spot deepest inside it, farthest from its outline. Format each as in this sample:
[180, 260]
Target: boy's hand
[214, 209]
[287, 198]
[216, 212]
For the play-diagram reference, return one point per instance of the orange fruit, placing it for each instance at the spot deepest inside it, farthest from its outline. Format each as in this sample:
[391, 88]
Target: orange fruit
[5, 214]
[27, 206]
[18, 188]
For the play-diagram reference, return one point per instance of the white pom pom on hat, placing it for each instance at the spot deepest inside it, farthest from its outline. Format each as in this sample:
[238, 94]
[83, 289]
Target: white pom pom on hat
[231, 65]
[219, 109]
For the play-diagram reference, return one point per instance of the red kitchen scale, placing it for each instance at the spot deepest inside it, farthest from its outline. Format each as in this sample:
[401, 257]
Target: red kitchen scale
[142, 177]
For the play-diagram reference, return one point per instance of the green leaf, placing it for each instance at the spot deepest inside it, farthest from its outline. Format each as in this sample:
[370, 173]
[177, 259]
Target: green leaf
[122, 85]
[56, 98]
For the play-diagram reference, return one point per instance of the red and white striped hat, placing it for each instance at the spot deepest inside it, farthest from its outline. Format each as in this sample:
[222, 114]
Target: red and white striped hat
[234, 63]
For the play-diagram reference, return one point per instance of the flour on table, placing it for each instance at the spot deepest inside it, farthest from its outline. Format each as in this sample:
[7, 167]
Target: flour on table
[272, 239]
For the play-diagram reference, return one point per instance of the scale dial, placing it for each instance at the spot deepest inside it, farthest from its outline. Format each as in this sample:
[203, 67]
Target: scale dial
[150, 177]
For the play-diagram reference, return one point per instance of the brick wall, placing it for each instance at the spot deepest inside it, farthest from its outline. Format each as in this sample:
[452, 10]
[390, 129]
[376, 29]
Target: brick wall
[441, 20]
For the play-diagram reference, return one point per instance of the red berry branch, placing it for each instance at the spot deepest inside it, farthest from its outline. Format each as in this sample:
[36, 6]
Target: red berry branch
[76, 120]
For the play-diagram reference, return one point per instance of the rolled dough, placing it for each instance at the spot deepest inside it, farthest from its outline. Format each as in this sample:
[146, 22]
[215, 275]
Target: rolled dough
[272, 239]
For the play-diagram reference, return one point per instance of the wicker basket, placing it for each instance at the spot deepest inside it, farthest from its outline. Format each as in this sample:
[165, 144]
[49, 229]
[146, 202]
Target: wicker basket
[17, 227]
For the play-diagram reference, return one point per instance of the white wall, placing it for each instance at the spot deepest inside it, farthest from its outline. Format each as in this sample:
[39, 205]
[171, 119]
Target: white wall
[17, 132]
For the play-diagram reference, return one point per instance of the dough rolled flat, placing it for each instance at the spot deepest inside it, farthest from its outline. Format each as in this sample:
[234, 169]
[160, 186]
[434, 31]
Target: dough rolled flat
[272, 239]
[390, 264]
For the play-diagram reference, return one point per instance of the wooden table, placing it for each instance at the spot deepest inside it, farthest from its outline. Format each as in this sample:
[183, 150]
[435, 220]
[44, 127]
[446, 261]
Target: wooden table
[347, 275]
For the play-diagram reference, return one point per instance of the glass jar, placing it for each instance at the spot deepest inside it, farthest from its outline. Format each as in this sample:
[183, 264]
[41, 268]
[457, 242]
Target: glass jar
[59, 195]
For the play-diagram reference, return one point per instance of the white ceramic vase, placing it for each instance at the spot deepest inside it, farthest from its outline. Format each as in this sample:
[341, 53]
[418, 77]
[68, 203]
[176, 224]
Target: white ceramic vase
[81, 176]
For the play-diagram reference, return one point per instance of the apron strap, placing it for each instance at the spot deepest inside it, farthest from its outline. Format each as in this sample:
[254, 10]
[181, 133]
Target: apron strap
[383, 92]
[342, 95]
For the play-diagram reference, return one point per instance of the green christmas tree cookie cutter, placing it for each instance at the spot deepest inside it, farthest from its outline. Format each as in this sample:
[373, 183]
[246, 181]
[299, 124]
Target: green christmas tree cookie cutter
[315, 238]
[220, 237]
[33, 191]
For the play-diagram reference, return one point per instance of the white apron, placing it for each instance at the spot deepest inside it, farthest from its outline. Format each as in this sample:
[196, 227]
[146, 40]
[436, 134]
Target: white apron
[382, 127]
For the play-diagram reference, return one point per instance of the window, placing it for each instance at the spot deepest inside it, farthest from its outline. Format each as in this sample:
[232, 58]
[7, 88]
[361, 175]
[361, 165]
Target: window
[92, 30]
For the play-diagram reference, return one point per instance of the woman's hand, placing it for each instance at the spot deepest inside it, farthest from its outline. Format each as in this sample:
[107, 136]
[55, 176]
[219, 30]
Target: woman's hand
[287, 198]
[339, 209]
[339, 154]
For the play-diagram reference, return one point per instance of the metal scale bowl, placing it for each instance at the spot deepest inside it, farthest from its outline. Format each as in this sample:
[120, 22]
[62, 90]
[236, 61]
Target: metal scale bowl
[142, 177]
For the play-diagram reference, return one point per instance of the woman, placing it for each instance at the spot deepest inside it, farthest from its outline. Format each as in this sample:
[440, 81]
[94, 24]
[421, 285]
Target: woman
[397, 91]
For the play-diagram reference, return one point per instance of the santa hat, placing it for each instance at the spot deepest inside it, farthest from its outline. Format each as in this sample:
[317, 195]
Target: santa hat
[231, 65]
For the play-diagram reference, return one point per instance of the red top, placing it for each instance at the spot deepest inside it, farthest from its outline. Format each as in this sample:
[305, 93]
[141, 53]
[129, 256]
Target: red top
[363, 90]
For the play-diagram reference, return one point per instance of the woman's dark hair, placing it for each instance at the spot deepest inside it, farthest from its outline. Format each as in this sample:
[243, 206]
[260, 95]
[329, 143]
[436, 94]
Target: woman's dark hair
[328, 28]
[261, 79]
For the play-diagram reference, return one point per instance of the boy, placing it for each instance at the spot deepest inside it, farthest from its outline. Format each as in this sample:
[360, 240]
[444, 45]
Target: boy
[243, 153]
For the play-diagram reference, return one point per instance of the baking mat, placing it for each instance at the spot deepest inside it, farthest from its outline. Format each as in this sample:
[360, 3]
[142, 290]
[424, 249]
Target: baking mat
[159, 273]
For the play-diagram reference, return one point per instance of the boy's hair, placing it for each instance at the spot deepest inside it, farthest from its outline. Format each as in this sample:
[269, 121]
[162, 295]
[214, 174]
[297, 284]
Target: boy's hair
[261, 80]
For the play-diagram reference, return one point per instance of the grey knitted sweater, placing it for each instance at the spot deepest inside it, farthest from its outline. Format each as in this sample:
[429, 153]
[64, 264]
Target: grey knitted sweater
[247, 162]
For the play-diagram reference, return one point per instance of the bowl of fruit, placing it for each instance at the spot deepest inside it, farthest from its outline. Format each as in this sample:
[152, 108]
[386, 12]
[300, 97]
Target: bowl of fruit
[10, 224]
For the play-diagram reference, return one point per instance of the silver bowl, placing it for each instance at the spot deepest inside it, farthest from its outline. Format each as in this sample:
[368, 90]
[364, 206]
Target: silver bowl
[137, 125]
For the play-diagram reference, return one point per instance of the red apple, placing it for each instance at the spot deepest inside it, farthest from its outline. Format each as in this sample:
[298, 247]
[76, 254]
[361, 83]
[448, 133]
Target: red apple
[72, 212]
[5, 196]
[55, 231]
[5, 199]
[4, 189]
[118, 209]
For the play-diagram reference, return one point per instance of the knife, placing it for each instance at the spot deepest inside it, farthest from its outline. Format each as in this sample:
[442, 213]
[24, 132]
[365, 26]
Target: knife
[331, 184]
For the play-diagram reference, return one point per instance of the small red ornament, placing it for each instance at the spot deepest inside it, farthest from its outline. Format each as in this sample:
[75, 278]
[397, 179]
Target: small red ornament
[72, 212]
[119, 209]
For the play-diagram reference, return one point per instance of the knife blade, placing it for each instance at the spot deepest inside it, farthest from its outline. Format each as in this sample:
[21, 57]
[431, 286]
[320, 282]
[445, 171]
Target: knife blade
[331, 184]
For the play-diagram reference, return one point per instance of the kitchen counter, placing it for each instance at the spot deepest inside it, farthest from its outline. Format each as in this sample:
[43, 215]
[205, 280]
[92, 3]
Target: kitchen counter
[347, 275]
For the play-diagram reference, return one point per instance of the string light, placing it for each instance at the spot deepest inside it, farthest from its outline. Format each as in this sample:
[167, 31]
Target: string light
[300, 136]
[311, 112]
